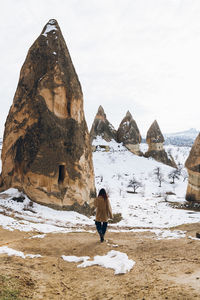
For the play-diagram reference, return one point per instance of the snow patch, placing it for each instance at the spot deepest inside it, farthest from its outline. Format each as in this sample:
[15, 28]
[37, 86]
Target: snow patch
[49, 27]
[193, 238]
[113, 260]
[12, 252]
[75, 258]
[38, 236]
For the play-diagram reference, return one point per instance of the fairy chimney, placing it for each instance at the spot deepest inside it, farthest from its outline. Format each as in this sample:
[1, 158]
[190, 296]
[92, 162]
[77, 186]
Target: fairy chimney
[102, 127]
[156, 149]
[193, 166]
[46, 147]
[128, 134]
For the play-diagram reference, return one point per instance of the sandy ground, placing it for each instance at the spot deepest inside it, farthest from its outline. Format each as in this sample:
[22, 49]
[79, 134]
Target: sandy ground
[164, 269]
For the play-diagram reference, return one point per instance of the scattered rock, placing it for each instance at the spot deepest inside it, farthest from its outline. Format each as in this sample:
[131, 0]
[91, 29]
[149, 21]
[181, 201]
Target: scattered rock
[198, 235]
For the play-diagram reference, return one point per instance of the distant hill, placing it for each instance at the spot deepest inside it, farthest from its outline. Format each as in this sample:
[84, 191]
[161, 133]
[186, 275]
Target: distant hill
[183, 138]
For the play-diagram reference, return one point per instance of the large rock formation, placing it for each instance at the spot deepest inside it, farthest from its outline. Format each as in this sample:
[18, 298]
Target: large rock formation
[102, 127]
[155, 142]
[193, 166]
[46, 148]
[128, 134]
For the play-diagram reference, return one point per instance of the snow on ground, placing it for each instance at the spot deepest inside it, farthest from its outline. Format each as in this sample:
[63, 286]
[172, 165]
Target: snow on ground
[193, 238]
[12, 252]
[26, 217]
[73, 258]
[149, 209]
[38, 236]
[113, 260]
[159, 233]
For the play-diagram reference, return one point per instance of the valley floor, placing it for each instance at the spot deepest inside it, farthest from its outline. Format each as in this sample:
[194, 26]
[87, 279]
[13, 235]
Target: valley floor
[164, 269]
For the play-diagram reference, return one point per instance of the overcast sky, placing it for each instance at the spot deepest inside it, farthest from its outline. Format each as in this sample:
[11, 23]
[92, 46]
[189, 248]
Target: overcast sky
[136, 55]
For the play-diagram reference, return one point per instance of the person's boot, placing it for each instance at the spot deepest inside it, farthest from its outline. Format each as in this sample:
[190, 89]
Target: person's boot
[102, 237]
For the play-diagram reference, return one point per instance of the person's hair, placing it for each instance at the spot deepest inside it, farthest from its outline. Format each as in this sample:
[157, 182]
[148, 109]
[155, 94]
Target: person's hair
[102, 193]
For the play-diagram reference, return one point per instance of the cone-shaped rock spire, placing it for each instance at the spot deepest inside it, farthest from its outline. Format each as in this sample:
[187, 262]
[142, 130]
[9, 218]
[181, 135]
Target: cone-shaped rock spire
[128, 134]
[46, 149]
[154, 134]
[102, 127]
[193, 166]
[155, 142]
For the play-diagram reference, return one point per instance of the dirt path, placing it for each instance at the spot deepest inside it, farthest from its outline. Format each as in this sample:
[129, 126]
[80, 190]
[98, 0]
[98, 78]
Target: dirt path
[164, 269]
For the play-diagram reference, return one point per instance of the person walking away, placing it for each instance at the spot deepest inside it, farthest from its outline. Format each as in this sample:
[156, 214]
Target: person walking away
[103, 213]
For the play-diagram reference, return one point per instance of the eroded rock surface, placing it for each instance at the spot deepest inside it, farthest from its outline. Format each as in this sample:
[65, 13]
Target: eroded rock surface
[102, 127]
[156, 149]
[46, 148]
[193, 166]
[129, 134]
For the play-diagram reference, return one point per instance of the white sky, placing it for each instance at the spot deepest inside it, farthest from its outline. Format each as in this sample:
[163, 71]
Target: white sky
[136, 55]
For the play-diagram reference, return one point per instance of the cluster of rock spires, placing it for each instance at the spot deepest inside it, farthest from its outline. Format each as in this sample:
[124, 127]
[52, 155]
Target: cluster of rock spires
[47, 150]
[46, 146]
[193, 166]
[129, 134]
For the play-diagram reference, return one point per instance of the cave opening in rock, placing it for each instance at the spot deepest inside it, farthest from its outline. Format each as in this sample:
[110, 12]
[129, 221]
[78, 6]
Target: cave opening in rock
[69, 109]
[61, 175]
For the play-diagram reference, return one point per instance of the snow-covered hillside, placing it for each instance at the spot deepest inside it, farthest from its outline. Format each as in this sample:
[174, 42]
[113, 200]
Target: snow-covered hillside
[148, 209]
[150, 206]
[183, 138]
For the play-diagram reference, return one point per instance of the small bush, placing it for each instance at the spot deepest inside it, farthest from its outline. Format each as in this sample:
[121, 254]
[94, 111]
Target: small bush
[9, 290]
[19, 199]
[190, 197]
[29, 207]
[116, 218]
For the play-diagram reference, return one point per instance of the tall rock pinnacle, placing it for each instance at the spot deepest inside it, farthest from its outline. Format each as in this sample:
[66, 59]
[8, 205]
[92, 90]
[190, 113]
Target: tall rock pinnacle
[46, 149]
[129, 134]
[155, 142]
[154, 136]
[193, 166]
[102, 127]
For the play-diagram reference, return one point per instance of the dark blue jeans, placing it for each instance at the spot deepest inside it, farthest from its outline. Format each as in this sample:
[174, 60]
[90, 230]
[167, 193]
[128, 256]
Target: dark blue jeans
[101, 227]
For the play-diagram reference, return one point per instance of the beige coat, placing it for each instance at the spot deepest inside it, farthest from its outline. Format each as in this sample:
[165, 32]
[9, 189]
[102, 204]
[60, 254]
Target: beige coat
[103, 209]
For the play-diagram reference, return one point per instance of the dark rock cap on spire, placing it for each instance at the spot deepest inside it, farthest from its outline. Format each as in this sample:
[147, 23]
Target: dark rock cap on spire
[156, 150]
[154, 134]
[128, 131]
[101, 112]
[102, 127]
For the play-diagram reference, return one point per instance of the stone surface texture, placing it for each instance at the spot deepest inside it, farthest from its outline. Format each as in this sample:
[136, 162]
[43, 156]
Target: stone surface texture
[46, 146]
[193, 166]
[129, 134]
[102, 127]
[156, 149]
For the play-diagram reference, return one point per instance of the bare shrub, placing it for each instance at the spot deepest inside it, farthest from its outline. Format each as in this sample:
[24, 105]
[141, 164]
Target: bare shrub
[116, 218]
